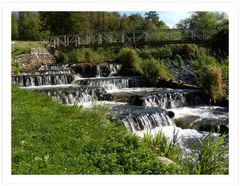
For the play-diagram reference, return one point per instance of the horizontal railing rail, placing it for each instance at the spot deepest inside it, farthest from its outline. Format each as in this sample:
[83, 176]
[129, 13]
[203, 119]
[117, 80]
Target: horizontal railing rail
[134, 37]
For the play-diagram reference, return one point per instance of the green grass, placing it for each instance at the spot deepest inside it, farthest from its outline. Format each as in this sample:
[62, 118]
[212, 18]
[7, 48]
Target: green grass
[22, 47]
[50, 138]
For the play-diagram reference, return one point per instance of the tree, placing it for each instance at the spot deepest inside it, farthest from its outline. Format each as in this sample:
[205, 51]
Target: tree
[152, 16]
[29, 26]
[152, 21]
[216, 21]
[203, 20]
[14, 27]
[56, 22]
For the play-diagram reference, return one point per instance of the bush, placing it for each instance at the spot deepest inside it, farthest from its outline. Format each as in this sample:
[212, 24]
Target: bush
[157, 53]
[189, 51]
[154, 70]
[62, 58]
[209, 74]
[130, 61]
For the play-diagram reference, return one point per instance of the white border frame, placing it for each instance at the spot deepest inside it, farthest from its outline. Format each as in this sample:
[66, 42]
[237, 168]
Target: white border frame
[229, 6]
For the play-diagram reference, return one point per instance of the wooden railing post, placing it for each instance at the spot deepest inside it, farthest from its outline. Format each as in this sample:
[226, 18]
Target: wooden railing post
[88, 39]
[65, 41]
[146, 36]
[193, 35]
[123, 38]
[78, 40]
[111, 39]
[99, 38]
[54, 42]
[58, 42]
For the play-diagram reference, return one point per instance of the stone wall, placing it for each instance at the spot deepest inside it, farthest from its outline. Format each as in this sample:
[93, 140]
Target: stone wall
[33, 60]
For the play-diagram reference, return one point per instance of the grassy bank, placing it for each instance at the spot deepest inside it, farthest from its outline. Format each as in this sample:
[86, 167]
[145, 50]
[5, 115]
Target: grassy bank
[22, 47]
[49, 138]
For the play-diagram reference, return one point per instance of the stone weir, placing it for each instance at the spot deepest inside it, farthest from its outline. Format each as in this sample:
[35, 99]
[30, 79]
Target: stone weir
[97, 70]
[57, 74]
[70, 94]
[139, 118]
[86, 69]
[43, 72]
[42, 79]
[159, 97]
[112, 83]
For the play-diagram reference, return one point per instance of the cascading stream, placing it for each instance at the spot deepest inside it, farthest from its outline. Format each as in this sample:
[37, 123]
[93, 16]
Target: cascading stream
[141, 110]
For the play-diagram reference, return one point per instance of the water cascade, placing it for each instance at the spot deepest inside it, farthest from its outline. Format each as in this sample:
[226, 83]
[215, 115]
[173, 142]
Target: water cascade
[143, 110]
[71, 94]
[112, 83]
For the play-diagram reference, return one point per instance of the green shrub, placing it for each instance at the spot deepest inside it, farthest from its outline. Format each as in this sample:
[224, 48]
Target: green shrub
[209, 74]
[153, 70]
[130, 61]
[62, 58]
[164, 53]
[189, 51]
[157, 53]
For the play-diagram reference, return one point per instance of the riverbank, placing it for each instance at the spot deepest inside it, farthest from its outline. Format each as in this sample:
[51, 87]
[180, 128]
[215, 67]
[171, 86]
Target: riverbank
[50, 138]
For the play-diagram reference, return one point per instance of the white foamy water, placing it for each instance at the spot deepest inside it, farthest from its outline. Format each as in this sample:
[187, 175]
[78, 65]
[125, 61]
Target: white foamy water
[91, 104]
[212, 112]
[49, 86]
[134, 89]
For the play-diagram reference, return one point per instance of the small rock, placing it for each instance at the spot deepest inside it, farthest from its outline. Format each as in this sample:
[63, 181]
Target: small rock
[166, 161]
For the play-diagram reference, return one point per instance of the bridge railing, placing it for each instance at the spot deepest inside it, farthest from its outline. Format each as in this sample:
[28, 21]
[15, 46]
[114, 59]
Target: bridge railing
[134, 37]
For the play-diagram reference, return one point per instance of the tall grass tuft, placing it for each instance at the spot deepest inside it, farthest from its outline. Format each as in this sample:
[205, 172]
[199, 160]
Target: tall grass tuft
[153, 70]
[129, 59]
[211, 76]
[211, 159]
[163, 147]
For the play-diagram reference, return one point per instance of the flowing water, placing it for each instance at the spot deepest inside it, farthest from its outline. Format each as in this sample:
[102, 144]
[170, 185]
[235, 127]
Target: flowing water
[143, 110]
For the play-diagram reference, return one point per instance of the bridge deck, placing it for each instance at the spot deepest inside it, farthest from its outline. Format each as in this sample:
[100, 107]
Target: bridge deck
[150, 37]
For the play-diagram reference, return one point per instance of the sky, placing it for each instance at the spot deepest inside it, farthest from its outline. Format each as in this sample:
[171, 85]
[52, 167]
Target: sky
[169, 18]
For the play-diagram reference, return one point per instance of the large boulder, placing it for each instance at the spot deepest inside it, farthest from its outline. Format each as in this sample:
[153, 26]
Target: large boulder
[33, 60]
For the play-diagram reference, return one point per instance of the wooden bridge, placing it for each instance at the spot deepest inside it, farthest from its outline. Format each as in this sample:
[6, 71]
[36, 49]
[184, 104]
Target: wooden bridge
[134, 38]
